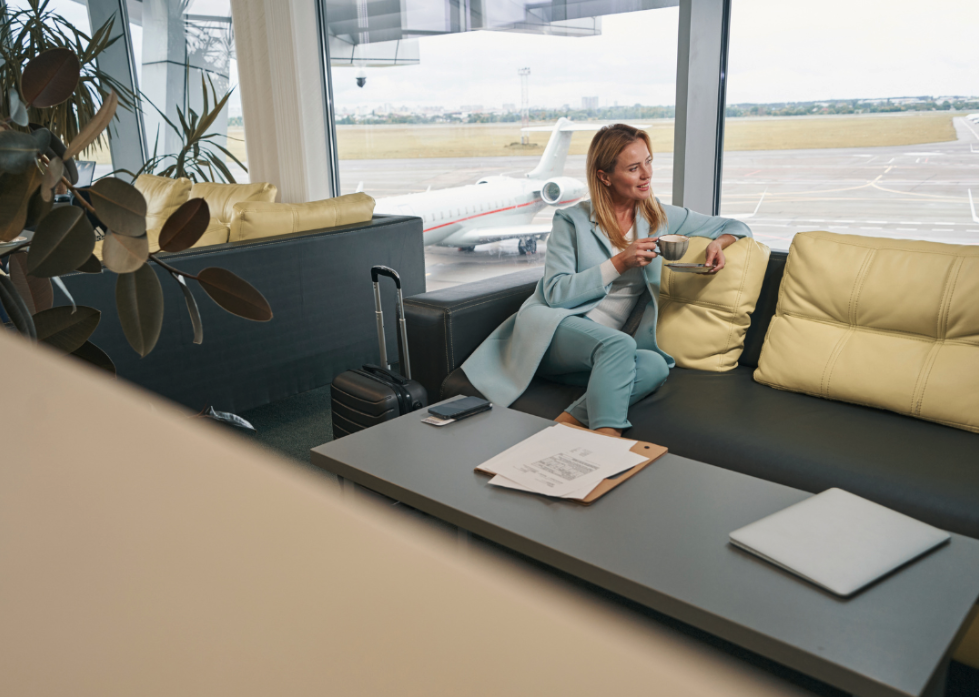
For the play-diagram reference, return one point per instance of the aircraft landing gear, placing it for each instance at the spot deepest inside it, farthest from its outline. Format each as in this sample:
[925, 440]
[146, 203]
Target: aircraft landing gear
[467, 249]
[527, 246]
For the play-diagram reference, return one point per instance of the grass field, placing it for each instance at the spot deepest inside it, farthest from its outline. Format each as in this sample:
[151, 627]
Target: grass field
[500, 140]
[798, 133]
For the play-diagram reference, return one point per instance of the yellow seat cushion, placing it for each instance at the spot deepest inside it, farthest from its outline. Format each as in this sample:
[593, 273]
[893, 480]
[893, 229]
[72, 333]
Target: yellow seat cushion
[216, 233]
[892, 324]
[703, 318]
[968, 649]
[254, 220]
[221, 198]
[163, 197]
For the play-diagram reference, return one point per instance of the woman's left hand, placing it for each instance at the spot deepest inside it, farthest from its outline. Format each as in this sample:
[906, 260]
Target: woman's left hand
[715, 257]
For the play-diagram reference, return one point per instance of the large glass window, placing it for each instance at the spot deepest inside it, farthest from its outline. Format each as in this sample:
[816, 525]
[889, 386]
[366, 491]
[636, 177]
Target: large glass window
[175, 44]
[853, 118]
[185, 55]
[439, 120]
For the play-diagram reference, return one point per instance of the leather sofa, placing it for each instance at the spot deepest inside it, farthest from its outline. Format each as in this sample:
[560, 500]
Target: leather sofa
[923, 469]
[318, 285]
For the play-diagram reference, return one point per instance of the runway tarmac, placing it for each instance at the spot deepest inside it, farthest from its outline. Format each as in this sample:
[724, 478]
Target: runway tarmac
[910, 192]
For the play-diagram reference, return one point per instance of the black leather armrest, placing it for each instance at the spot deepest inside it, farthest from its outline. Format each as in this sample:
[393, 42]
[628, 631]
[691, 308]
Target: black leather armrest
[445, 326]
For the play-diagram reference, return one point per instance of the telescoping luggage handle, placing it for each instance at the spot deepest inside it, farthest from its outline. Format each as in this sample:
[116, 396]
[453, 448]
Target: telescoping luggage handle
[377, 271]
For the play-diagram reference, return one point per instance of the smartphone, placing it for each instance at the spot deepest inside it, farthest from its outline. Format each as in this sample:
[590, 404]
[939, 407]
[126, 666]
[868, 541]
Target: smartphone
[461, 408]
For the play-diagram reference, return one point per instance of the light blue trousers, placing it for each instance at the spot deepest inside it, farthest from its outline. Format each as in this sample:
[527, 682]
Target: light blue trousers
[617, 374]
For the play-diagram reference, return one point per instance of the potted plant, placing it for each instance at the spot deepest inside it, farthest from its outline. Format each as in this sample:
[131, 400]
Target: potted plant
[34, 163]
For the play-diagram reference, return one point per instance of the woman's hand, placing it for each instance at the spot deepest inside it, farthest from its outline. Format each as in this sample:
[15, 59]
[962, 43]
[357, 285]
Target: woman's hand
[715, 256]
[637, 254]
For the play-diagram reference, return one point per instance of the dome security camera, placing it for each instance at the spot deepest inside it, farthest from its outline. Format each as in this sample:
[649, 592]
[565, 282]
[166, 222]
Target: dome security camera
[361, 78]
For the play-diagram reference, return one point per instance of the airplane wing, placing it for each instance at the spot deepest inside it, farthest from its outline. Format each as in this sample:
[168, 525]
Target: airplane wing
[485, 235]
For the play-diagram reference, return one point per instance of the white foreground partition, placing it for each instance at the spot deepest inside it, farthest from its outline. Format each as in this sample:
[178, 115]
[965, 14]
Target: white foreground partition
[147, 552]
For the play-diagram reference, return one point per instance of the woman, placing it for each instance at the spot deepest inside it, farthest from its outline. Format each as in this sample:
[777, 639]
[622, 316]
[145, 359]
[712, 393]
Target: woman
[600, 258]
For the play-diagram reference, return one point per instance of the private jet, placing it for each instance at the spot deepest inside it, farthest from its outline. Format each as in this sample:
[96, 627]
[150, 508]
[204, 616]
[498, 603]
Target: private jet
[497, 207]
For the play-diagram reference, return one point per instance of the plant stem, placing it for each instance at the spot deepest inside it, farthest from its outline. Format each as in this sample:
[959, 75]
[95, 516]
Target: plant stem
[169, 268]
[85, 204]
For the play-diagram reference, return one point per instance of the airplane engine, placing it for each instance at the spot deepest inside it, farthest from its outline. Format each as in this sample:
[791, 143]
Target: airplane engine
[564, 190]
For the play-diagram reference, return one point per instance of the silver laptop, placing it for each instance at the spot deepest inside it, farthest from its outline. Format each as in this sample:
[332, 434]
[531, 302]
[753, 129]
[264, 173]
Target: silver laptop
[838, 541]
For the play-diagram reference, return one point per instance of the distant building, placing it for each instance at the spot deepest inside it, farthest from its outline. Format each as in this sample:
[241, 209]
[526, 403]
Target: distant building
[472, 108]
[589, 103]
[509, 108]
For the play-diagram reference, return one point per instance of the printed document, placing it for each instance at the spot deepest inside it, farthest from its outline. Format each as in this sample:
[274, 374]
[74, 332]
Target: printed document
[562, 462]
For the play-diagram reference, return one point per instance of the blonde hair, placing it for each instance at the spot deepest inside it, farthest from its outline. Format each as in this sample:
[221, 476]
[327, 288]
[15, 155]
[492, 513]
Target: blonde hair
[603, 153]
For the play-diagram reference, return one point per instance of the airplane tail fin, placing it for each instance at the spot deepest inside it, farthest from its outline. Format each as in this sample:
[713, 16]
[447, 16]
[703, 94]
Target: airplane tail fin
[556, 153]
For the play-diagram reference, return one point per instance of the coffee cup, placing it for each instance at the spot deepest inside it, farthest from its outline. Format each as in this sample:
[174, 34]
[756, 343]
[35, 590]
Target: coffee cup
[672, 247]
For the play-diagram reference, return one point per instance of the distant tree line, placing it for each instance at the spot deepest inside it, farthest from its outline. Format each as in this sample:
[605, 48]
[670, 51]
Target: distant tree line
[638, 111]
[849, 106]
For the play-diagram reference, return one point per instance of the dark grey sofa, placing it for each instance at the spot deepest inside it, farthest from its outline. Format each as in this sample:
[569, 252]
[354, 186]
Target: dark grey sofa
[318, 284]
[923, 469]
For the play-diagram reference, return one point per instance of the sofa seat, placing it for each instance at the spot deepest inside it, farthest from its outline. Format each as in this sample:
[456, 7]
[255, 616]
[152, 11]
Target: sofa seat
[926, 470]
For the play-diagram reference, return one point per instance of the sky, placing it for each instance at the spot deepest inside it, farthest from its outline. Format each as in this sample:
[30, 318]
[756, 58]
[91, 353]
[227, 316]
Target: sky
[781, 50]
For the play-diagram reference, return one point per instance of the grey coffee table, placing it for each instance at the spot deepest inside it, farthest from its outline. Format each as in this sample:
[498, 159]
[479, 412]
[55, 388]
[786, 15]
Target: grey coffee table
[660, 539]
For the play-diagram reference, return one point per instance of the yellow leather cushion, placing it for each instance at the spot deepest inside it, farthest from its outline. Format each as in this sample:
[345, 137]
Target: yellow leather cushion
[221, 198]
[968, 649]
[703, 318]
[216, 233]
[885, 323]
[163, 197]
[253, 220]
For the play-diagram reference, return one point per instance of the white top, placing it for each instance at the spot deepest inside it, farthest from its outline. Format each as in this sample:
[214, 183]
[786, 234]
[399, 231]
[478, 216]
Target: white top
[615, 308]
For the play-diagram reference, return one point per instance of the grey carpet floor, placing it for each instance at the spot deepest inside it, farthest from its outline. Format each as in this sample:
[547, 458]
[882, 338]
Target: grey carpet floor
[295, 425]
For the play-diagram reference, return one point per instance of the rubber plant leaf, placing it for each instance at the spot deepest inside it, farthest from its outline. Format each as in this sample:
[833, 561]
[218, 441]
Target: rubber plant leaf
[139, 302]
[63, 241]
[94, 128]
[56, 169]
[65, 330]
[16, 192]
[15, 307]
[185, 226]
[18, 152]
[50, 78]
[93, 265]
[124, 254]
[18, 112]
[192, 309]
[37, 293]
[234, 294]
[120, 206]
[91, 353]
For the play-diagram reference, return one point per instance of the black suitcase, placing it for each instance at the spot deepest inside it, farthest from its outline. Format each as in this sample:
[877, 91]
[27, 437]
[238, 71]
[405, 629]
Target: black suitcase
[364, 397]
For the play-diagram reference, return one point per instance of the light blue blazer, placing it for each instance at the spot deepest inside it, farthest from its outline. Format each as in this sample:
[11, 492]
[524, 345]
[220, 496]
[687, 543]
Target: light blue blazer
[503, 365]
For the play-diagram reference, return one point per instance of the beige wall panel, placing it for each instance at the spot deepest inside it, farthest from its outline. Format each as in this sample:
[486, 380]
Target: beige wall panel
[146, 552]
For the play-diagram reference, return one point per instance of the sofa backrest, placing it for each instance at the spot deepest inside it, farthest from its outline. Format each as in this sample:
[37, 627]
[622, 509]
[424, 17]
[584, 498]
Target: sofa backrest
[764, 309]
[446, 326]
